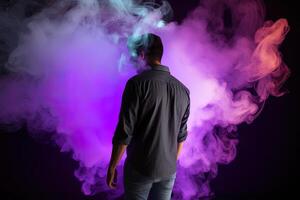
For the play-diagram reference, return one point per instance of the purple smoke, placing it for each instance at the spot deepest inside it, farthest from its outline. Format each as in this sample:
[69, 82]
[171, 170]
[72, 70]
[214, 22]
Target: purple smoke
[67, 72]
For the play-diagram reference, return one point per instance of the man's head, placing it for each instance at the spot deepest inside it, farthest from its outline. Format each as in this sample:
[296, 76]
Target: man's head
[148, 47]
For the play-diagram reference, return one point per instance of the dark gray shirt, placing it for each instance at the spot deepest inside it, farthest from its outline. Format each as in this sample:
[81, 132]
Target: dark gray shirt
[153, 120]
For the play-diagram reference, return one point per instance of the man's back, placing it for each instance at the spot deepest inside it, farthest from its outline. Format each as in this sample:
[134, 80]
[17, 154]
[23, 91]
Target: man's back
[153, 117]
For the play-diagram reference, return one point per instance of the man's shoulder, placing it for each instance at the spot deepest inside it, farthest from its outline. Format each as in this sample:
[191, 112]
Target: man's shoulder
[178, 82]
[145, 75]
[135, 79]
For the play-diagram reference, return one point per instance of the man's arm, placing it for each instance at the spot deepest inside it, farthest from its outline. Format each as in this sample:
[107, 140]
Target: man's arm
[124, 130]
[183, 129]
[116, 155]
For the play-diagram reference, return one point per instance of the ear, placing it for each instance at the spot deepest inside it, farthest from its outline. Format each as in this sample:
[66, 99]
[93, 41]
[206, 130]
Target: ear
[142, 55]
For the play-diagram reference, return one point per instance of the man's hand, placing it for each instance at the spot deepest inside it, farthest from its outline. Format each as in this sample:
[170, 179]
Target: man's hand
[111, 178]
[116, 155]
[179, 147]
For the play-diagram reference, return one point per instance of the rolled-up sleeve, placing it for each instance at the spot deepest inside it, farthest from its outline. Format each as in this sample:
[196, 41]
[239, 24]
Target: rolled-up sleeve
[128, 114]
[183, 126]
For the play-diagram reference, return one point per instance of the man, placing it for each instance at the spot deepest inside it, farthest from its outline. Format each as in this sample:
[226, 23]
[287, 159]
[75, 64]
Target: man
[152, 126]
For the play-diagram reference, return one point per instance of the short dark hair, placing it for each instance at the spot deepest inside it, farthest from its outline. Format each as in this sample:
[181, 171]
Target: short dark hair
[149, 43]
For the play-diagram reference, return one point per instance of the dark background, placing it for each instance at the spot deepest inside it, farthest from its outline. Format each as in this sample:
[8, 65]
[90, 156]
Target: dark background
[265, 166]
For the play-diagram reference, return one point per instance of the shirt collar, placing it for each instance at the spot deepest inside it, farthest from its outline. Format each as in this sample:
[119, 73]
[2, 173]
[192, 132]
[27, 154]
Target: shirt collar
[160, 68]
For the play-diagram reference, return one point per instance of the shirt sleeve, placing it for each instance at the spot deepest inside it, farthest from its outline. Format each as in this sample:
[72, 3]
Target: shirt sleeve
[183, 127]
[127, 115]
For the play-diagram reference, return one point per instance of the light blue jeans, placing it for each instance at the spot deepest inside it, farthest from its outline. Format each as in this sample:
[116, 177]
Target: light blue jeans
[139, 187]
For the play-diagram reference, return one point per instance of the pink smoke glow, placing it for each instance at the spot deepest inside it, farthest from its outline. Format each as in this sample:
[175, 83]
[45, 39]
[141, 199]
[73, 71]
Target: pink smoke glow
[70, 66]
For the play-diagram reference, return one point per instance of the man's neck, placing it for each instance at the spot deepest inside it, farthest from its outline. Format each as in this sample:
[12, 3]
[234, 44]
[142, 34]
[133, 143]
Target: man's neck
[156, 62]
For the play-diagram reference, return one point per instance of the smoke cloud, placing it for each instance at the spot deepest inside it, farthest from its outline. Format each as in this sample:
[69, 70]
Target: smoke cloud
[63, 70]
